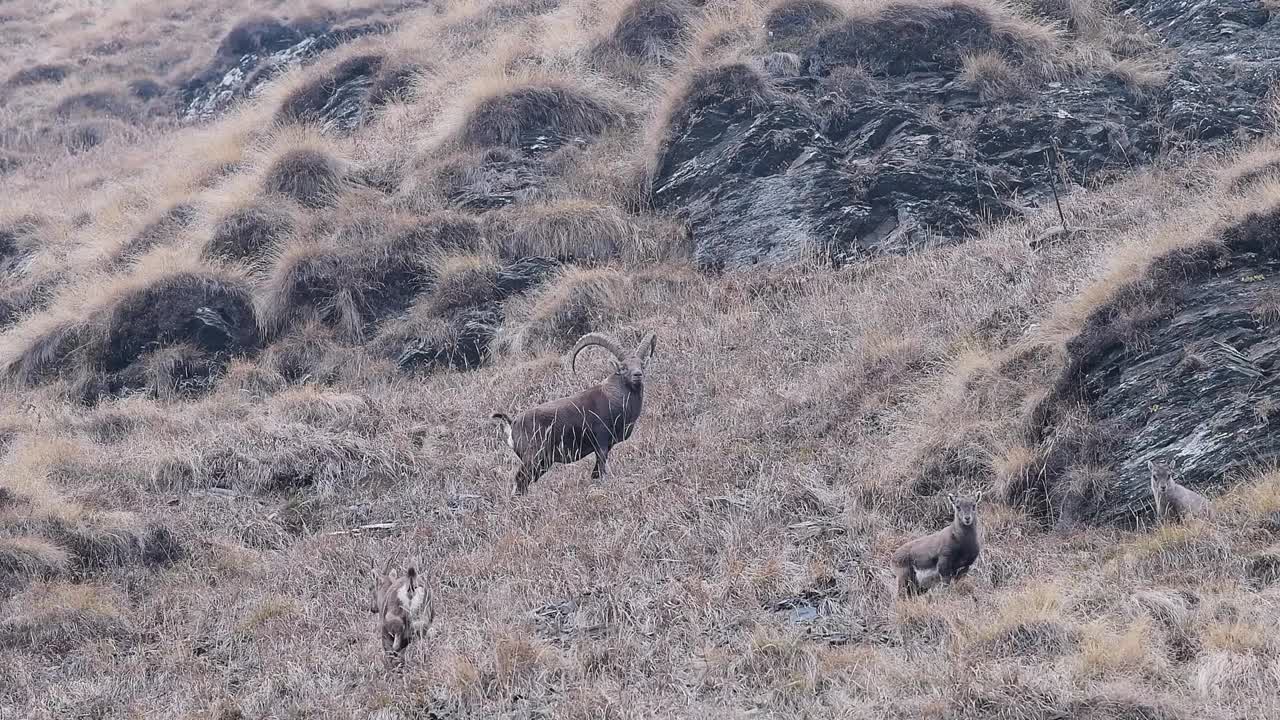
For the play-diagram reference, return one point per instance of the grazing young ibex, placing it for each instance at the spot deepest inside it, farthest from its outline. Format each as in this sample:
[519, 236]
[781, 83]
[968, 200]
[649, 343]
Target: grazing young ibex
[1173, 501]
[400, 602]
[591, 421]
[943, 556]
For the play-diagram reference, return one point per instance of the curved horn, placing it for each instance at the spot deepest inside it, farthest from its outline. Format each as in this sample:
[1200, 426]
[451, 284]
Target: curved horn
[648, 346]
[587, 341]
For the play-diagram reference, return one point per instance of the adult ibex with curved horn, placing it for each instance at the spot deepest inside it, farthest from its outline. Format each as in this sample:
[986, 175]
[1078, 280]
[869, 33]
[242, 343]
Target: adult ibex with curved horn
[591, 421]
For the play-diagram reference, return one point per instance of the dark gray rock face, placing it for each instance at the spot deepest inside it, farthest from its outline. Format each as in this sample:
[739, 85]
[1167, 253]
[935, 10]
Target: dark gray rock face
[1227, 59]
[252, 54]
[780, 178]
[503, 175]
[830, 163]
[1199, 389]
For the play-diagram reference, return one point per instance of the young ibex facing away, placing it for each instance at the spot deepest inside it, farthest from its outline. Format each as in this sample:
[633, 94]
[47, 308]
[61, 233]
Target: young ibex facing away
[943, 556]
[1173, 501]
[400, 602]
[591, 421]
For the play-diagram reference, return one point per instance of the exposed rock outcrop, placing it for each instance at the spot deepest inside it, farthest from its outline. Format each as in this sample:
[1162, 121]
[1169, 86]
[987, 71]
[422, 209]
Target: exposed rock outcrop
[856, 146]
[1183, 367]
[255, 51]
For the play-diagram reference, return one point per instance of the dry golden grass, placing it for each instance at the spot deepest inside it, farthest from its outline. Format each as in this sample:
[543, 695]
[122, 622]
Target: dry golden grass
[567, 307]
[992, 76]
[157, 548]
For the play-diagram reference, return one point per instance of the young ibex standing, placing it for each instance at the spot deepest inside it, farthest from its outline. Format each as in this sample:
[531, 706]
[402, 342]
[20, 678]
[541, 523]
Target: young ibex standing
[400, 602]
[591, 421]
[943, 556]
[1173, 501]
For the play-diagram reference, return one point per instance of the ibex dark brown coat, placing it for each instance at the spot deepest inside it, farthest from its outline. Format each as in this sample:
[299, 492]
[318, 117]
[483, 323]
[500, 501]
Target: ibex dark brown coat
[943, 556]
[591, 421]
[400, 602]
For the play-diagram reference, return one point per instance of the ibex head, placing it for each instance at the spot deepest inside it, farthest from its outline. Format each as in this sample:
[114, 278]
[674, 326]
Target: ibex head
[629, 366]
[1161, 475]
[965, 507]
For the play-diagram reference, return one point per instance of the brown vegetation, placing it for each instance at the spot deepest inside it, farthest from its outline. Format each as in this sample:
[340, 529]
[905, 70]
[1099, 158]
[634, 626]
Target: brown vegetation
[236, 367]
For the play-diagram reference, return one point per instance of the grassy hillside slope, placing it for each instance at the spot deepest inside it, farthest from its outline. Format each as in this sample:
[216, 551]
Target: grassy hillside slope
[228, 346]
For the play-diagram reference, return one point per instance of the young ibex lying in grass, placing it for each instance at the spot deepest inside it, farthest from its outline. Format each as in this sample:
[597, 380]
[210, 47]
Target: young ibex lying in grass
[400, 602]
[1173, 501]
[591, 421]
[943, 556]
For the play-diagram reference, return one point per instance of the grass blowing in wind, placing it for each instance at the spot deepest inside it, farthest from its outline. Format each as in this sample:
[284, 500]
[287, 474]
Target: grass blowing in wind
[298, 301]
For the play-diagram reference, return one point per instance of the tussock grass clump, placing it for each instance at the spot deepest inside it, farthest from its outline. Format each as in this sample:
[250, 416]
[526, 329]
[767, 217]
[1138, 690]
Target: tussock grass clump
[369, 269]
[310, 101]
[20, 238]
[569, 230]
[48, 349]
[257, 34]
[992, 76]
[104, 102]
[1251, 169]
[394, 83]
[453, 326]
[1194, 549]
[79, 137]
[23, 558]
[308, 354]
[146, 89]
[159, 231]
[10, 161]
[421, 342]
[734, 82]
[211, 310]
[170, 373]
[647, 30]
[44, 73]
[23, 296]
[53, 619]
[278, 455]
[792, 24]
[332, 410]
[346, 95]
[308, 175]
[478, 179]
[903, 37]
[343, 95]
[1030, 623]
[250, 234]
[1099, 29]
[577, 301]
[516, 113]
[462, 282]
[53, 532]
[1118, 650]
[134, 317]
[440, 232]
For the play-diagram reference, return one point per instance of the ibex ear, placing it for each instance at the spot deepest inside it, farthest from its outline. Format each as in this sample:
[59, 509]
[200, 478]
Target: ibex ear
[951, 499]
[978, 498]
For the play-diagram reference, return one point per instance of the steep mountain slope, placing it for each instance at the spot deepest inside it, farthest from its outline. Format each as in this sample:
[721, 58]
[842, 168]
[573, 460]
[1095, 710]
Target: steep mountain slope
[254, 324]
